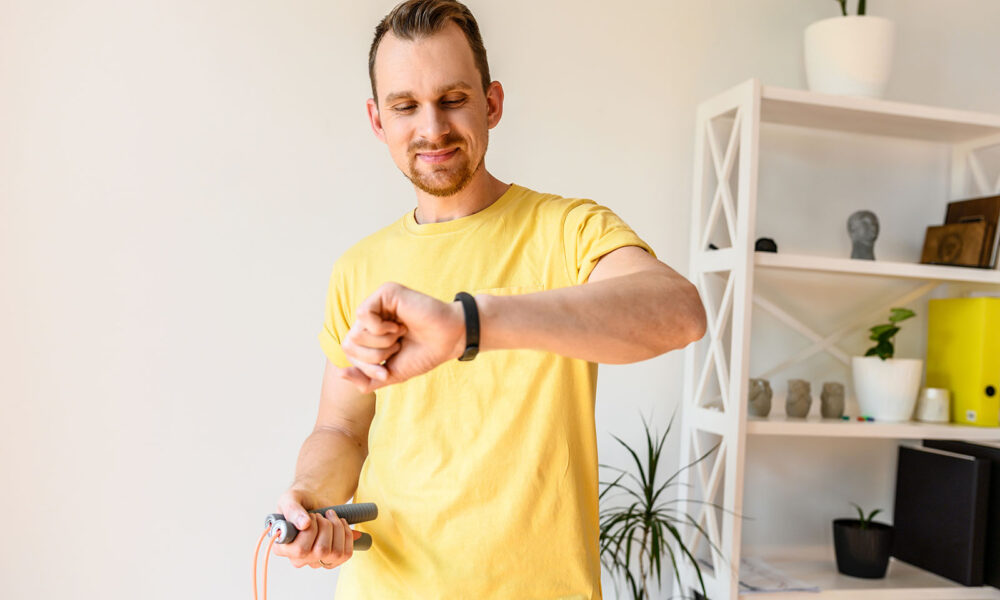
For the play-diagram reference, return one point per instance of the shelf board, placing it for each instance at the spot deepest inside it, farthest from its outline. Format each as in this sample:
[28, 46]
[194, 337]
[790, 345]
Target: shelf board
[818, 427]
[874, 116]
[878, 268]
[902, 582]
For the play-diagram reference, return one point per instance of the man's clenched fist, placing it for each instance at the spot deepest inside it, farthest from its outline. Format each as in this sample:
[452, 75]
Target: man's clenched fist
[321, 542]
[400, 333]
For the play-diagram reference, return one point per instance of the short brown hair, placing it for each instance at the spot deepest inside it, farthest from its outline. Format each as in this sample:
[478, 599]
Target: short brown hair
[414, 19]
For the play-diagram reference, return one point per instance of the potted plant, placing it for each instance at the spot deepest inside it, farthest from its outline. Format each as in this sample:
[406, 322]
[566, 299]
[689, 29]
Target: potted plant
[639, 535]
[887, 387]
[851, 54]
[862, 545]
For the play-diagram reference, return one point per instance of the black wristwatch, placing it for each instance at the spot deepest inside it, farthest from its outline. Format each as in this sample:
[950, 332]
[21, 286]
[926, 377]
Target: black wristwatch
[471, 325]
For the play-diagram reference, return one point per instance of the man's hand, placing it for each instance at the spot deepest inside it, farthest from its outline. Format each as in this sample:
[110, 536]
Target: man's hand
[321, 542]
[400, 333]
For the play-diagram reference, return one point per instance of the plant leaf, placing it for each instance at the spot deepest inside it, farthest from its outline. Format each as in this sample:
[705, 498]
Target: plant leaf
[900, 314]
[861, 513]
[609, 486]
[880, 332]
[635, 457]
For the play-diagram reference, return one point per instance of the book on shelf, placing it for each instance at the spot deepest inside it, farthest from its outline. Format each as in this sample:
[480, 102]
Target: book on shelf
[991, 452]
[939, 514]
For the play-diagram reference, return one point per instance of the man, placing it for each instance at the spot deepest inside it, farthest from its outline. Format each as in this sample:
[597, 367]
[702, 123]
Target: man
[484, 470]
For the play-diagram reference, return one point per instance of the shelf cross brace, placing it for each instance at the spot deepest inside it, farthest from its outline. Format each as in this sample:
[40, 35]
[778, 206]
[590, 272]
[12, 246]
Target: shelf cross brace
[723, 170]
[715, 356]
[828, 343]
[709, 489]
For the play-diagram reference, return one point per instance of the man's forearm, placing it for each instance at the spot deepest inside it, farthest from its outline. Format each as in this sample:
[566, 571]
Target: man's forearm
[329, 465]
[617, 320]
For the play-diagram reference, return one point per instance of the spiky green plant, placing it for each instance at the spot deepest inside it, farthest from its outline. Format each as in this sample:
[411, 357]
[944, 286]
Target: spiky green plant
[882, 334]
[843, 7]
[636, 539]
[865, 521]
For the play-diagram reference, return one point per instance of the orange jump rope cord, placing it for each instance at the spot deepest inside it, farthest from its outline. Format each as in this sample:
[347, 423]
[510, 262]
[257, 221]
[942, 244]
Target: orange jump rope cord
[256, 553]
[266, 557]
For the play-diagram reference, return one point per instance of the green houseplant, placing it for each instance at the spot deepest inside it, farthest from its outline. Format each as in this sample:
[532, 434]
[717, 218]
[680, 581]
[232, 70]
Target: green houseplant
[882, 334]
[862, 545]
[863, 521]
[642, 533]
[886, 387]
[843, 7]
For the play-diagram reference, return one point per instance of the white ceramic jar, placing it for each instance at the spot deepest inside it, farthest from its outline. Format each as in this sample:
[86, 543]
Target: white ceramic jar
[850, 55]
[934, 406]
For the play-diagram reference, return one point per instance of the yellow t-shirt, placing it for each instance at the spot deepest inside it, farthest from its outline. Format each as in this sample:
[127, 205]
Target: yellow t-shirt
[484, 472]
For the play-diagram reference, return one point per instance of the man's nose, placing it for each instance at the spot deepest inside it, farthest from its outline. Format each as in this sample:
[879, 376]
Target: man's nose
[434, 124]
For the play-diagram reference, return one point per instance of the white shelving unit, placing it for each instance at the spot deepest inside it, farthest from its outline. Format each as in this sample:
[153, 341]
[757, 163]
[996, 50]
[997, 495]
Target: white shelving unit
[902, 582]
[717, 368]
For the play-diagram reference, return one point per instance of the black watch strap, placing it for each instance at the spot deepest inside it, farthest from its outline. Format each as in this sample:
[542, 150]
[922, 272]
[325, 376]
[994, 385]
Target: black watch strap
[471, 325]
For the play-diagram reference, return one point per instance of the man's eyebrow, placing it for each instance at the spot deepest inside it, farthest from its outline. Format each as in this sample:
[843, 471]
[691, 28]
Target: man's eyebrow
[458, 85]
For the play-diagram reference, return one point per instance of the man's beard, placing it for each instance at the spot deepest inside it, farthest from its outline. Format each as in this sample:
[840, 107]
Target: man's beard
[456, 176]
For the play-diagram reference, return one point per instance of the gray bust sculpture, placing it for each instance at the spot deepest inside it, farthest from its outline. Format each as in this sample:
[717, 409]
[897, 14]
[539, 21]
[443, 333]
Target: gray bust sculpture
[862, 226]
[831, 400]
[799, 400]
[759, 398]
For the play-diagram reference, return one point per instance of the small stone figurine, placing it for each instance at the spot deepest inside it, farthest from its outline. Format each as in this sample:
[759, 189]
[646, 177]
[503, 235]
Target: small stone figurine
[799, 400]
[759, 398]
[832, 400]
[862, 226]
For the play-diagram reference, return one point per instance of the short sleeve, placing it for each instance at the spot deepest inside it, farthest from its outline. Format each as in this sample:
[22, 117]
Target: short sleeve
[336, 323]
[589, 232]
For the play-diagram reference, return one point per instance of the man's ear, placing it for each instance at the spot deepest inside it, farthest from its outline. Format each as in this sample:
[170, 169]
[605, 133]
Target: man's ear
[494, 104]
[374, 119]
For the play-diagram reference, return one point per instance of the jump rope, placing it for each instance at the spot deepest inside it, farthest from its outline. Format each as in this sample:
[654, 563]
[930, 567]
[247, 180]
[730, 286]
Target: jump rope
[282, 531]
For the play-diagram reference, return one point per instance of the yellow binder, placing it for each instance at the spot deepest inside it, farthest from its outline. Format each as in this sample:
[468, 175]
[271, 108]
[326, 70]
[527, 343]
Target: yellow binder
[963, 355]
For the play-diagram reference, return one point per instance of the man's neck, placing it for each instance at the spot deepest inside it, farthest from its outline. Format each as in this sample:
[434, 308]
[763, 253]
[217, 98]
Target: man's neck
[480, 193]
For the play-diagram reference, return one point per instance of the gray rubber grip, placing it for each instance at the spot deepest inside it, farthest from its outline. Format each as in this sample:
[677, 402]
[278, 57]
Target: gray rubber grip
[352, 513]
[272, 518]
[363, 543]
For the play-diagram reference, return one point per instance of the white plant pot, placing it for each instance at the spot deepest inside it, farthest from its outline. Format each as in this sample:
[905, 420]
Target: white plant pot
[887, 389]
[849, 56]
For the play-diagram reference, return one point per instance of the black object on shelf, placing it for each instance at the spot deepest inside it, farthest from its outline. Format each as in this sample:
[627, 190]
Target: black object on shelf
[765, 245]
[940, 512]
[991, 573]
[862, 552]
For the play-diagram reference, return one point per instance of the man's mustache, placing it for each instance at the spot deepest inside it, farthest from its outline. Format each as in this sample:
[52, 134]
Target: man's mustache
[448, 142]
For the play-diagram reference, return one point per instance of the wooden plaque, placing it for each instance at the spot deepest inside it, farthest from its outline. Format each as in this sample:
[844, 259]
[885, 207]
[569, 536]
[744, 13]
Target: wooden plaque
[989, 209]
[959, 244]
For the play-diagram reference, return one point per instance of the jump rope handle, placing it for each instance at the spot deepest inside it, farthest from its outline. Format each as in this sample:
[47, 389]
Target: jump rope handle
[352, 513]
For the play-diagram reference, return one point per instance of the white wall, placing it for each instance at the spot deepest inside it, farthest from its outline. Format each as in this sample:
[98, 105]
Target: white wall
[176, 179]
